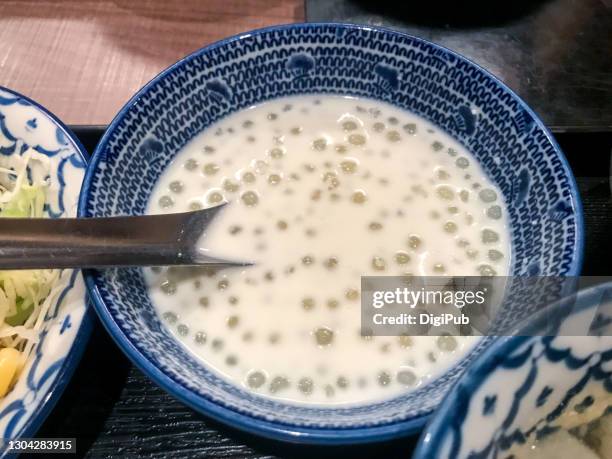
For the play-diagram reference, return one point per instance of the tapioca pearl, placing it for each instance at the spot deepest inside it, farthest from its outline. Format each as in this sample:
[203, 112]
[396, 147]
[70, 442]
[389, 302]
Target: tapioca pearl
[375, 226]
[191, 164]
[306, 385]
[170, 317]
[402, 258]
[410, 128]
[250, 198]
[233, 321]
[196, 205]
[450, 227]
[233, 300]
[329, 390]
[256, 379]
[287, 107]
[274, 179]
[310, 232]
[359, 197]
[445, 192]
[384, 348]
[168, 287]
[340, 149]
[342, 382]
[469, 218]
[356, 139]
[405, 341]
[282, 225]
[453, 210]
[308, 303]
[441, 174]
[278, 384]
[176, 186]
[230, 186]
[349, 166]
[247, 124]
[210, 169]
[259, 166]
[383, 181]
[414, 242]
[248, 177]
[378, 263]
[486, 270]
[289, 270]
[323, 336]
[351, 294]
[349, 126]
[231, 360]
[200, 337]
[308, 260]
[406, 378]
[332, 303]
[309, 167]
[462, 162]
[476, 186]
[471, 253]
[235, 229]
[272, 116]
[495, 255]
[247, 336]
[439, 268]
[217, 344]
[494, 212]
[488, 236]
[197, 284]
[360, 109]
[296, 130]
[331, 263]
[374, 112]
[269, 276]
[464, 195]
[451, 152]
[378, 126]
[437, 146]
[432, 357]
[214, 197]
[156, 269]
[276, 152]
[392, 120]
[223, 284]
[274, 338]
[462, 242]
[319, 144]
[434, 215]
[331, 180]
[487, 195]
[165, 202]
[182, 330]
[383, 378]
[204, 301]
[393, 136]
[446, 343]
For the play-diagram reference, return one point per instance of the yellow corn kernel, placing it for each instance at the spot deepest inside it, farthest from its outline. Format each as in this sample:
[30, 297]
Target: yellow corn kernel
[10, 360]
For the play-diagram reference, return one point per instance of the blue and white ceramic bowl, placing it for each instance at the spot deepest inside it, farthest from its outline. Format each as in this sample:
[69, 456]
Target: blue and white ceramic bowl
[68, 323]
[520, 388]
[512, 144]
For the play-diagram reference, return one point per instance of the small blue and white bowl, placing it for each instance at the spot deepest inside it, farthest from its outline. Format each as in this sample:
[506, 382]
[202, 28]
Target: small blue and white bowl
[514, 147]
[68, 323]
[519, 389]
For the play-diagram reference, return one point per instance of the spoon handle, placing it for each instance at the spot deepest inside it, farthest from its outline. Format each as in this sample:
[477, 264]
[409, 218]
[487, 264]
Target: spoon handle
[149, 240]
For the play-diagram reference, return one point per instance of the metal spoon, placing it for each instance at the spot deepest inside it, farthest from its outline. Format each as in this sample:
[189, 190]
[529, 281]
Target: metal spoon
[149, 240]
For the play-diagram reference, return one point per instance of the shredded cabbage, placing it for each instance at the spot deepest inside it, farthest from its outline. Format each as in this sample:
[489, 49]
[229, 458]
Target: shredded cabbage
[25, 295]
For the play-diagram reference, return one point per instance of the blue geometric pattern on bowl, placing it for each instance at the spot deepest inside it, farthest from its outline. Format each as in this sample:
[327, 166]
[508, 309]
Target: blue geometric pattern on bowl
[513, 146]
[518, 389]
[23, 124]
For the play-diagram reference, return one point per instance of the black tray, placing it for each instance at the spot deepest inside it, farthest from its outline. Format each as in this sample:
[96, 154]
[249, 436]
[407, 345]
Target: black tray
[115, 411]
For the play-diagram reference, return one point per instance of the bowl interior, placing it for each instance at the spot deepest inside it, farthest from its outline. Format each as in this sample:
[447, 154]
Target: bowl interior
[68, 323]
[512, 145]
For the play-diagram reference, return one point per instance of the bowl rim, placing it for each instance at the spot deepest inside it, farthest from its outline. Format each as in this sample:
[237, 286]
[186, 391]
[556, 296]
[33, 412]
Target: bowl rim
[430, 441]
[73, 357]
[269, 429]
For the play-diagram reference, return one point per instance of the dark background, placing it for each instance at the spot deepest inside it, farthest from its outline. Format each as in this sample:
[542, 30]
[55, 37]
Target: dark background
[556, 54]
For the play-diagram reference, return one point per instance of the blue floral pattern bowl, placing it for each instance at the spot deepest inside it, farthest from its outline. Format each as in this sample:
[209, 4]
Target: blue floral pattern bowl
[512, 144]
[68, 323]
[519, 389]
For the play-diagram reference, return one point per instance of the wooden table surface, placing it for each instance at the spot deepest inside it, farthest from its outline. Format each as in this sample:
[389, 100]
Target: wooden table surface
[84, 59]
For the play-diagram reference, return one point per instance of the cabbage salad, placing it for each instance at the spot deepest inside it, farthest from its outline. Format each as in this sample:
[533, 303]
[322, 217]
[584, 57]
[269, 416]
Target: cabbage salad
[25, 295]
